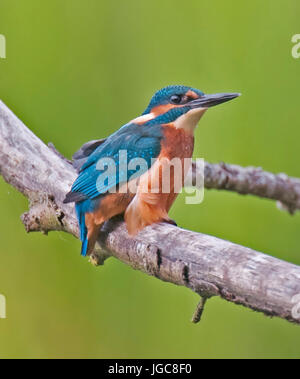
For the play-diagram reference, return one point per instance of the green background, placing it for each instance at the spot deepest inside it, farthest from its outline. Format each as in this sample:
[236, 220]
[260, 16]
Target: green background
[77, 70]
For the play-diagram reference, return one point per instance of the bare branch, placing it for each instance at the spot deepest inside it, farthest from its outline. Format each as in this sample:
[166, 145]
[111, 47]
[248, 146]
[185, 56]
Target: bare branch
[199, 310]
[251, 181]
[207, 265]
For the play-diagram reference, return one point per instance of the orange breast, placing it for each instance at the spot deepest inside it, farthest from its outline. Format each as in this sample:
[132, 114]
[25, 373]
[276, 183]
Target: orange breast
[177, 143]
[159, 187]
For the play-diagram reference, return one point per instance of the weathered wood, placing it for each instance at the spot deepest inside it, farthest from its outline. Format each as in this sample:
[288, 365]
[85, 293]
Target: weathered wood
[253, 181]
[207, 265]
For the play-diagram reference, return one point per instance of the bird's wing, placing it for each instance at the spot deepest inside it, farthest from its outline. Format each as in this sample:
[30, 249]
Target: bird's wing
[94, 179]
[82, 155]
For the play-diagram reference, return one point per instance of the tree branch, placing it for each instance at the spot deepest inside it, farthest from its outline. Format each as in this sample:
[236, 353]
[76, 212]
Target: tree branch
[207, 265]
[251, 181]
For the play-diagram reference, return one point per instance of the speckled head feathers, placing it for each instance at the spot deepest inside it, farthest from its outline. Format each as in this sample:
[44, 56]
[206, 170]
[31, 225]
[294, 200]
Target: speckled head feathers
[164, 95]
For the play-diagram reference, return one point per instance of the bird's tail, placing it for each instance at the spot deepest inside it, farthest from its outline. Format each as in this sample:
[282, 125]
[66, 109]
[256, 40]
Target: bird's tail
[82, 227]
[88, 229]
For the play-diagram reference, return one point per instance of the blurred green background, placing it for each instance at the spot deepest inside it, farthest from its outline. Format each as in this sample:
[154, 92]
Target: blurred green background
[77, 70]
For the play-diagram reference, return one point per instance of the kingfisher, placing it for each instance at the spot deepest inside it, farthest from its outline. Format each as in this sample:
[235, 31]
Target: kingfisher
[164, 131]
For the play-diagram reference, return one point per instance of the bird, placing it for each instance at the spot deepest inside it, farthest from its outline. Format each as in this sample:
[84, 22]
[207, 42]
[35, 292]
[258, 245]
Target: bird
[165, 130]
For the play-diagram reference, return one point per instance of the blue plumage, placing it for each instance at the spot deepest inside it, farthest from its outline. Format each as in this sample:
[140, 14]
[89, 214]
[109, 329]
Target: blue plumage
[132, 138]
[163, 95]
[89, 188]
[83, 230]
[142, 138]
[81, 208]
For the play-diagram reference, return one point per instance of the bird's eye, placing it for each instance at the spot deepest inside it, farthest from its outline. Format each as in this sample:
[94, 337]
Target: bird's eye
[176, 99]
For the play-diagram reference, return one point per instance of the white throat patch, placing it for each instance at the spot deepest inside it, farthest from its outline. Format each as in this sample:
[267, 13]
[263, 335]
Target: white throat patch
[190, 119]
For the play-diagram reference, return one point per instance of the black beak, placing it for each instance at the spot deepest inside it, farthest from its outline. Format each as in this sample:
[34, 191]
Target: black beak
[207, 101]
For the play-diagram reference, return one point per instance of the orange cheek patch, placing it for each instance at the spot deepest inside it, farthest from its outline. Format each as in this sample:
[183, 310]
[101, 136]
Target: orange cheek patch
[192, 94]
[161, 109]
